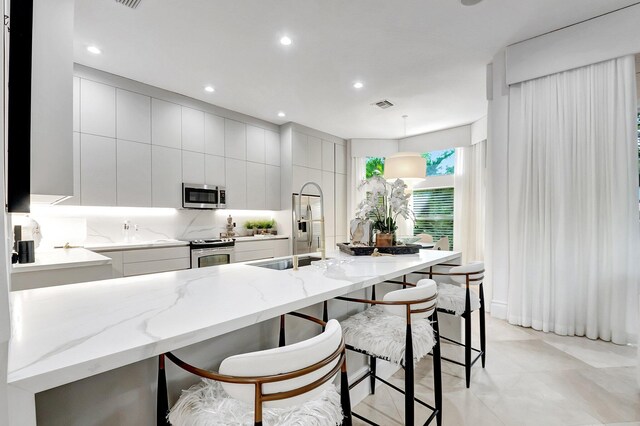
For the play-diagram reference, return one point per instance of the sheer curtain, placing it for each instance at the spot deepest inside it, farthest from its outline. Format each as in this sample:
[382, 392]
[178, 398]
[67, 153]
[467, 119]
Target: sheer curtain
[469, 201]
[573, 208]
[358, 171]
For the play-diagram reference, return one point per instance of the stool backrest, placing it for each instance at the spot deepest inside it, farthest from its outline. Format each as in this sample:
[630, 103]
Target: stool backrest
[424, 289]
[442, 244]
[425, 238]
[470, 267]
[284, 360]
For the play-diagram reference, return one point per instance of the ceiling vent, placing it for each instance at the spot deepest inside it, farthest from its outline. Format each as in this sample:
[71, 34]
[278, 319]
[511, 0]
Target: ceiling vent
[384, 104]
[129, 3]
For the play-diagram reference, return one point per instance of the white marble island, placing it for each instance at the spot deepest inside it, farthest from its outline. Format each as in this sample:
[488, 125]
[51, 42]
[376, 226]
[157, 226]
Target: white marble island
[68, 333]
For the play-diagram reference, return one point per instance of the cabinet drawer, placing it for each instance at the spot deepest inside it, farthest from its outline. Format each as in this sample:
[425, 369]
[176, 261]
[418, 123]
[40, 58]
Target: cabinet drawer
[141, 268]
[254, 255]
[164, 253]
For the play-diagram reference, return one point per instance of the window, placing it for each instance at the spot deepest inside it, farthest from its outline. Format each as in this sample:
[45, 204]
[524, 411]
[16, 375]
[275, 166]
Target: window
[434, 213]
[440, 163]
[375, 166]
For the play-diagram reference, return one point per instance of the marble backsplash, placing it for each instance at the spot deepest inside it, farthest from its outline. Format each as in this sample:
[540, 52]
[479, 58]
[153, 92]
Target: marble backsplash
[90, 225]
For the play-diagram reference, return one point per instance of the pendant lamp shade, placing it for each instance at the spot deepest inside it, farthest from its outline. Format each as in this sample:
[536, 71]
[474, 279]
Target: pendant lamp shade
[408, 166]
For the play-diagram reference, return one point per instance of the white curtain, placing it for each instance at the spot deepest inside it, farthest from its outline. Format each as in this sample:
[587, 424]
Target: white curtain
[573, 207]
[469, 201]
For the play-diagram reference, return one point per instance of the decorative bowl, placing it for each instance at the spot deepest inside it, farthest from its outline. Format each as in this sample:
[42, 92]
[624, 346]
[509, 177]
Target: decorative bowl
[407, 239]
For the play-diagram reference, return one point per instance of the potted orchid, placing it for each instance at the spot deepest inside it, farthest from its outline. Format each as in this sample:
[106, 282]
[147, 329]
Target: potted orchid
[385, 201]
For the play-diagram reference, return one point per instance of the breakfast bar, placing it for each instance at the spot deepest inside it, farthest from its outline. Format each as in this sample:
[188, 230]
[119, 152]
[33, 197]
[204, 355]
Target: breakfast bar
[64, 334]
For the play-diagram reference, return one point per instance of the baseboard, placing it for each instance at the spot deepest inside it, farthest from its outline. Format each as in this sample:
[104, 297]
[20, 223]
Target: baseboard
[499, 309]
[384, 370]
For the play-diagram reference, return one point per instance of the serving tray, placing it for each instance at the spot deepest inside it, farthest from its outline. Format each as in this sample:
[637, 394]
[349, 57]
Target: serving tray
[366, 251]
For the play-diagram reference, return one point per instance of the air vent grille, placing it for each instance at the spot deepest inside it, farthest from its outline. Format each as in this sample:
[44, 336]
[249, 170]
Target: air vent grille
[129, 3]
[384, 104]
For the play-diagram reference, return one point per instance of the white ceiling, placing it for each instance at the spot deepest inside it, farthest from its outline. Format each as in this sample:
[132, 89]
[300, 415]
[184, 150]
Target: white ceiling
[426, 56]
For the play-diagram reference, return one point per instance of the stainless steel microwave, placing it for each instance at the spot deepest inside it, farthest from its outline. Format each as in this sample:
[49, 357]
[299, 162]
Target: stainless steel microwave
[196, 196]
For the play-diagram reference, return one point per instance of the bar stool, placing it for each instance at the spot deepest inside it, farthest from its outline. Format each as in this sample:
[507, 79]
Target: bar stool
[461, 301]
[400, 331]
[289, 385]
[441, 244]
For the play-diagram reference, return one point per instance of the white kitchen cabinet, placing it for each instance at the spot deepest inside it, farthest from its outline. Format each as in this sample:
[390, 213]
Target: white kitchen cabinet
[235, 139]
[213, 135]
[272, 192]
[313, 175]
[76, 104]
[261, 249]
[236, 183]
[166, 177]
[97, 108]
[128, 263]
[300, 177]
[75, 199]
[192, 130]
[133, 174]
[256, 174]
[300, 148]
[314, 152]
[133, 116]
[255, 144]
[341, 204]
[166, 124]
[214, 170]
[341, 159]
[97, 170]
[193, 167]
[272, 147]
[328, 189]
[328, 156]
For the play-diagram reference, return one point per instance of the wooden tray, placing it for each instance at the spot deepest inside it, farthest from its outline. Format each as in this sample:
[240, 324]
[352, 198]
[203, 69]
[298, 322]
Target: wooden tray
[366, 251]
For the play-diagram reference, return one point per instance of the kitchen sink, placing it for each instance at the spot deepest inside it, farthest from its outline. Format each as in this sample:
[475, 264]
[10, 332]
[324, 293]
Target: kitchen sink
[283, 264]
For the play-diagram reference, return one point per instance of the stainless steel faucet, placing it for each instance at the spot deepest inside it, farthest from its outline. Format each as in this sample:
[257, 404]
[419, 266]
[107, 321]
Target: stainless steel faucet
[298, 219]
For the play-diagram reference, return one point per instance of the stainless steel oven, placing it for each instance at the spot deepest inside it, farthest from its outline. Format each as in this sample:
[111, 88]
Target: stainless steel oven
[196, 196]
[212, 252]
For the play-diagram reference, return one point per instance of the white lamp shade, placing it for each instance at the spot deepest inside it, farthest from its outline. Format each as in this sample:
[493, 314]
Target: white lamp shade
[408, 166]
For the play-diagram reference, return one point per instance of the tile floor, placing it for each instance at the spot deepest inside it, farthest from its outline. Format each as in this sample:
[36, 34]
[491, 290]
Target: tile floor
[531, 378]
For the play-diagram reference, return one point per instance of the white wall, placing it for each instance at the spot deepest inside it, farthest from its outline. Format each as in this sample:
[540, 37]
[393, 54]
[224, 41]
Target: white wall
[607, 37]
[373, 147]
[433, 141]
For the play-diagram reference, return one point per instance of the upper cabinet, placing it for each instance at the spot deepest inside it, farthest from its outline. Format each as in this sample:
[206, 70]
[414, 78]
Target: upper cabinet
[300, 149]
[133, 116]
[166, 124]
[341, 159]
[328, 157]
[314, 152]
[137, 150]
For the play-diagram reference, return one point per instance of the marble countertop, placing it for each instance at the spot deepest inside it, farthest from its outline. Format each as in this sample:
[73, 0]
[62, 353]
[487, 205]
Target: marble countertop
[134, 245]
[60, 259]
[261, 238]
[66, 333]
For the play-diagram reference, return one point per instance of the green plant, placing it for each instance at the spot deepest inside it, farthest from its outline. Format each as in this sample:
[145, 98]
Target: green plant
[269, 224]
[249, 224]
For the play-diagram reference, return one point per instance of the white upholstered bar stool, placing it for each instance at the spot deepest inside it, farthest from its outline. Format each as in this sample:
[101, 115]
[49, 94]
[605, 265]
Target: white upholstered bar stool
[458, 299]
[425, 238]
[399, 329]
[289, 385]
[441, 244]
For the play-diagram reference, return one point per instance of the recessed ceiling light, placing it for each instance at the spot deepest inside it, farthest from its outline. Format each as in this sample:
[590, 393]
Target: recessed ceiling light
[281, 114]
[285, 41]
[94, 50]
[358, 85]
[209, 89]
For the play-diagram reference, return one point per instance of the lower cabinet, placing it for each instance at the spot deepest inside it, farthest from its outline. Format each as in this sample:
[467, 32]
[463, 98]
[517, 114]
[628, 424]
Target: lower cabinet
[265, 249]
[127, 263]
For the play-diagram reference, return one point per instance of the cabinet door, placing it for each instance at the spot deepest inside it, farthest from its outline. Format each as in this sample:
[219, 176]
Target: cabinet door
[97, 170]
[341, 205]
[273, 188]
[166, 177]
[328, 156]
[272, 147]
[256, 186]
[193, 167]
[313, 175]
[235, 140]
[255, 144]
[75, 200]
[97, 108]
[76, 104]
[236, 183]
[300, 149]
[314, 147]
[213, 135]
[214, 170]
[329, 203]
[133, 112]
[166, 124]
[341, 159]
[134, 174]
[300, 177]
[192, 130]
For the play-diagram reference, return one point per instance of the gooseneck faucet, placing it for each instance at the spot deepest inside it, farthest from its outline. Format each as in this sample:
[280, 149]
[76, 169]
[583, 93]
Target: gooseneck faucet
[297, 220]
